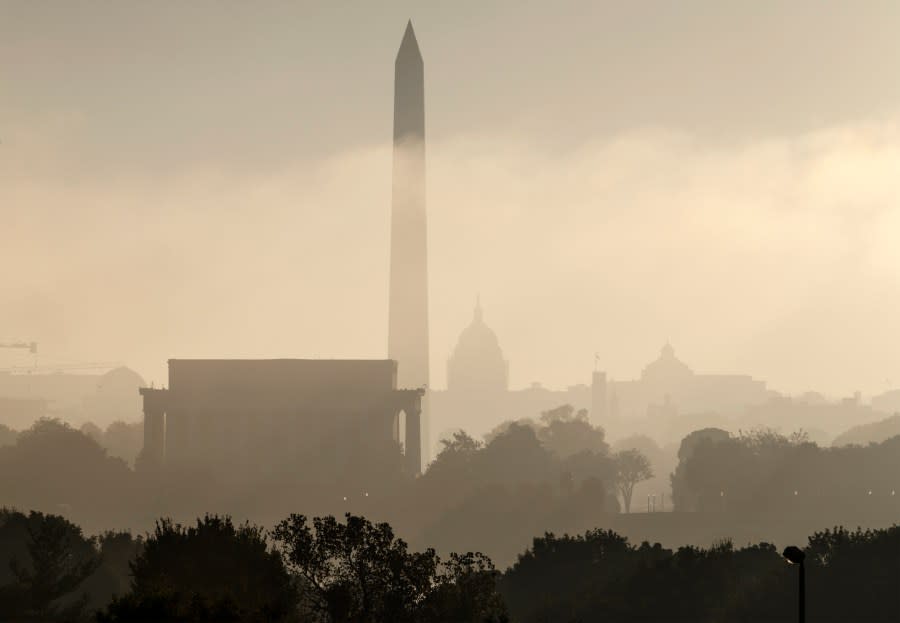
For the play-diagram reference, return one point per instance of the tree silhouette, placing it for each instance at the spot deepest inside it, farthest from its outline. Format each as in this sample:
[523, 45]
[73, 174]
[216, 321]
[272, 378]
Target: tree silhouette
[211, 571]
[632, 467]
[683, 498]
[466, 590]
[565, 432]
[357, 571]
[59, 560]
[52, 464]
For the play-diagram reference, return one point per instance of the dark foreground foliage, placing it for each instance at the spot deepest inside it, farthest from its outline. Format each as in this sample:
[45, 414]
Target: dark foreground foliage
[213, 570]
[325, 570]
[599, 576]
[322, 570]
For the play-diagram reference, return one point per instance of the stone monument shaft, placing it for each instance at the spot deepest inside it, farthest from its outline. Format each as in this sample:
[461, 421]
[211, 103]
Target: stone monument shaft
[408, 304]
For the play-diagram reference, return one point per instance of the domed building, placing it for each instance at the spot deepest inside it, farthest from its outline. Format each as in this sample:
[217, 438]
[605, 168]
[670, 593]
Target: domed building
[667, 371]
[121, 381]
[477, 365]
[667, 386]
[478, 397]
[115, 397]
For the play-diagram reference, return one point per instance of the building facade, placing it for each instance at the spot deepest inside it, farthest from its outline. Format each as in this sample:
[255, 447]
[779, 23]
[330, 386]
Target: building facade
[273, 418]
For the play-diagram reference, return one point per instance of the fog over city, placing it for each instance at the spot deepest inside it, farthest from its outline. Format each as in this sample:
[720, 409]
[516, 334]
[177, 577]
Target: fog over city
[199, 180]
[470, 312]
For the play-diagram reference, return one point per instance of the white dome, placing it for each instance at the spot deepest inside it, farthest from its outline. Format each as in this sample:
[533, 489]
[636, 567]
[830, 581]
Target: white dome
[477, 363]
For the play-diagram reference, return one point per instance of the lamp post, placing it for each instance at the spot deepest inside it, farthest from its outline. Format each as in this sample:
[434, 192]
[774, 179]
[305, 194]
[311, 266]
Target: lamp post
[795, 556]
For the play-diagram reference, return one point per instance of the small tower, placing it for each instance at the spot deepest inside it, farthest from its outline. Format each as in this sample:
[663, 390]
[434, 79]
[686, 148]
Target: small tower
[598, 398]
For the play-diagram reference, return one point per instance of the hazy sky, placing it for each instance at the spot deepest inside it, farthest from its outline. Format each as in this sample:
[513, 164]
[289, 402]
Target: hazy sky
[213, 179]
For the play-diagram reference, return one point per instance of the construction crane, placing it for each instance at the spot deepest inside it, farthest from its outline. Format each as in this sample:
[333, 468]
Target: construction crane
[31, 346]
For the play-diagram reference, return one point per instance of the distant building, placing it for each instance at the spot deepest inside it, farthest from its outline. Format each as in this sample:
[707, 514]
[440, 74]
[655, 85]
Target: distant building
[477, 365]
[668, 385]
[75, 398]
[888, 402]
[477, 398]
[114, 397]
[255, 419]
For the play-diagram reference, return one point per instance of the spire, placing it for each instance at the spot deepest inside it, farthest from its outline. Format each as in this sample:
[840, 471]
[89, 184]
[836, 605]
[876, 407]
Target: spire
[409, 47]
[478, 313]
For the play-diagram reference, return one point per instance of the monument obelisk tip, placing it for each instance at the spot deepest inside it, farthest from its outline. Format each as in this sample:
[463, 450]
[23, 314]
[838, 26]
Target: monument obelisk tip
[409, 46]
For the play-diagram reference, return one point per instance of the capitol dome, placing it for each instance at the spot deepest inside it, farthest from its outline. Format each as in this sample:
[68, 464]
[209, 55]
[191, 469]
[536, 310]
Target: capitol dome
[477, 364]
[120, 381]
[667, 370]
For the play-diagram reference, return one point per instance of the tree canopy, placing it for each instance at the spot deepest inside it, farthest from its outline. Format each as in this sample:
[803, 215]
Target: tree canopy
[57, 560]
[212, 570]
[359, 571]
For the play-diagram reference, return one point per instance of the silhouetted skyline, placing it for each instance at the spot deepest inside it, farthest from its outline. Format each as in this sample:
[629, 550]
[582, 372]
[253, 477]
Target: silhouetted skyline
[262, 392]
[760, 243]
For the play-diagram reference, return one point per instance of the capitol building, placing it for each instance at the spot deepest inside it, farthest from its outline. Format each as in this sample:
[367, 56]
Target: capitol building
[478, 397]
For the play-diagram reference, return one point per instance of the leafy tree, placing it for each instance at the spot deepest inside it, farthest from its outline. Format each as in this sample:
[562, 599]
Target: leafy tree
[211, 571]
[762, 469]
[359, 571]
[470, 488]
[454, 461]
[565, 432]
[692, 440]
[55, 466]
[354, 571]
[124, 440]
[466, 590]
[558, 577]
[93, 431]
[683, 498]
[632, 467]
[516, 456]
[852, 575]
[503, 427]
[59, 561]
[587, 465]
[599, 576]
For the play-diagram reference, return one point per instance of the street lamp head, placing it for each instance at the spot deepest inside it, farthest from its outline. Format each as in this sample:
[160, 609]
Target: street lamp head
[794, 555]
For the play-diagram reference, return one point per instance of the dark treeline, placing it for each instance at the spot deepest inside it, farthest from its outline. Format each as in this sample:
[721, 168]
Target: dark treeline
[557, 474]
[326, 570]
[561, 467]
[320, 570]
[851, 576]
[762, 471]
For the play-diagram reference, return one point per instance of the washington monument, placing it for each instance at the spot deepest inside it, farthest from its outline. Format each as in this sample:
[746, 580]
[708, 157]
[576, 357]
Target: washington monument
[408, 311]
